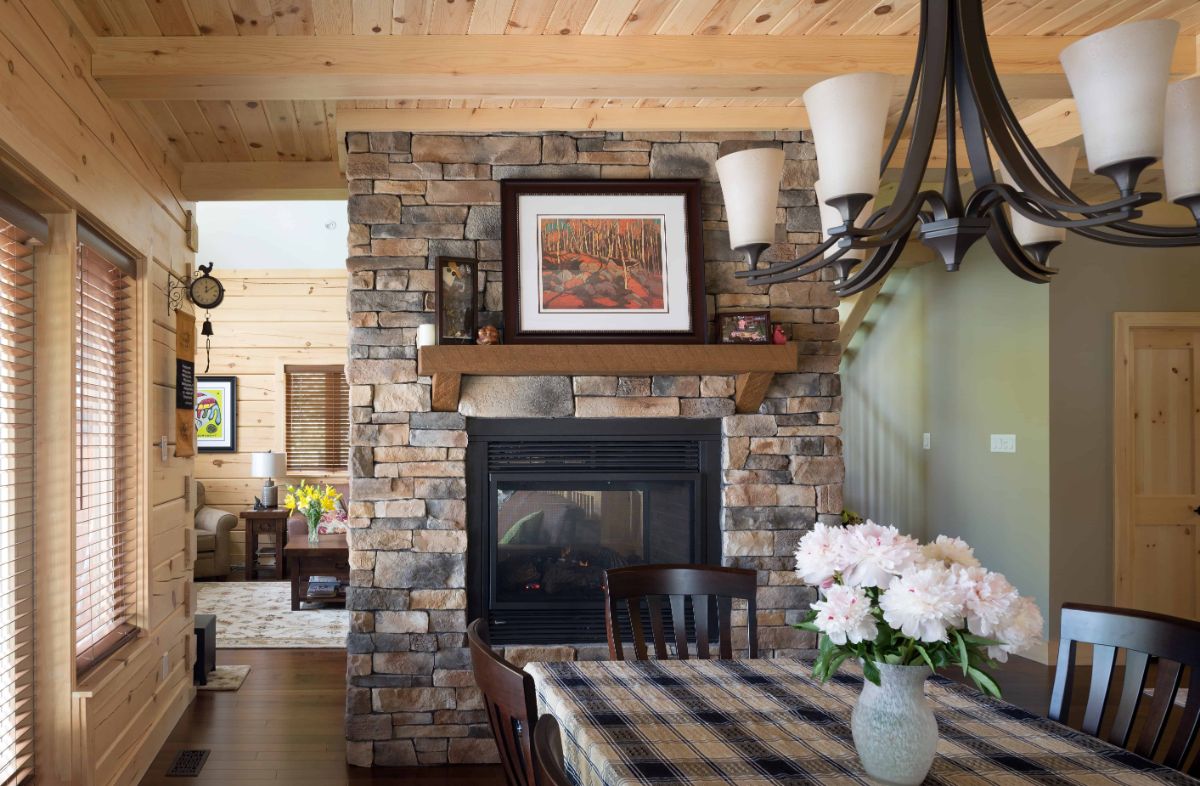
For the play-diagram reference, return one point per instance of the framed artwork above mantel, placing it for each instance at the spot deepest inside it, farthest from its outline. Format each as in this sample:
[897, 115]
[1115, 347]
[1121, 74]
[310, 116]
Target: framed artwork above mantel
[602, 261]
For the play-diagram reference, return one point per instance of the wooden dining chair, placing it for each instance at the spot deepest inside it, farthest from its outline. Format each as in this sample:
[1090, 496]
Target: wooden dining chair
[1167, 643]
[547, 749]
[511, 704]
[702, 584]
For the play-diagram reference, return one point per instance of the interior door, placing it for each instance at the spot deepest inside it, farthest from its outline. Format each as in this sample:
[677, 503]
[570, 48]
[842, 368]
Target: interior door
[1157, 482]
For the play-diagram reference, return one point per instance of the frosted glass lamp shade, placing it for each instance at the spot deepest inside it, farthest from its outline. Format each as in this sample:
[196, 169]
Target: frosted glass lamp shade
[1028, 232]
[832, 217]
[848, 114]
[268, 465]
[750, 185]
[1119, 80]
[1181, 146]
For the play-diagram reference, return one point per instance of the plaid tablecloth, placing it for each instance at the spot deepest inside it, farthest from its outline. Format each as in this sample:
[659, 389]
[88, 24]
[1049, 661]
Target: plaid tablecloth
[759, 722]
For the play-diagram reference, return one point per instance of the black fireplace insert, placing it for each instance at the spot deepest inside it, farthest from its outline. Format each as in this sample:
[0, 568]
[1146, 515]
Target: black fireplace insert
[552, 504]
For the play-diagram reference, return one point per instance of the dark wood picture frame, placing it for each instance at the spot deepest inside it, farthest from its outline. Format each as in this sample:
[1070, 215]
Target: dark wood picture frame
[230, 415]
[471, 319]
[723, 317]
[511, 192]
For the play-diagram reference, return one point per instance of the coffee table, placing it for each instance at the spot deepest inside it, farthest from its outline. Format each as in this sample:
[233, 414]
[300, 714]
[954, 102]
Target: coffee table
[329, 557]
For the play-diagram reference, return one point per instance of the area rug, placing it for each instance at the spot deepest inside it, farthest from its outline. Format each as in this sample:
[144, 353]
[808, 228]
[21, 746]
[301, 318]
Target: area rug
[258, 615]
[225, 678]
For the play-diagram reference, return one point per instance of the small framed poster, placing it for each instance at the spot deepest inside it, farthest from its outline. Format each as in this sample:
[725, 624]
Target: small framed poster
[457, 297]
[216, 414]
[744, 327]
[606, 261]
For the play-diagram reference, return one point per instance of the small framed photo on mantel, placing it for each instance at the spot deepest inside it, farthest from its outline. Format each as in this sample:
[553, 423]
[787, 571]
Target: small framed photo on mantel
[603, 261]
[744, 327]
[456, 300]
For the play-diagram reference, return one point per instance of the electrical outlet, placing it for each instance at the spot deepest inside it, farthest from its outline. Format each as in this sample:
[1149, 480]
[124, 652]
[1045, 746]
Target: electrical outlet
[166, 666]
[926, 440]
[1004, 443]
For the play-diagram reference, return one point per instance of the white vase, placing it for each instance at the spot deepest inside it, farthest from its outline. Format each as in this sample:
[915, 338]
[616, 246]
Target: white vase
[895, 732]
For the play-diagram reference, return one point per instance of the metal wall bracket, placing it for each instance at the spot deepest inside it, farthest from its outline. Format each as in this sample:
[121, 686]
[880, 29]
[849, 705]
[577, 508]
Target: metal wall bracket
[177, 287]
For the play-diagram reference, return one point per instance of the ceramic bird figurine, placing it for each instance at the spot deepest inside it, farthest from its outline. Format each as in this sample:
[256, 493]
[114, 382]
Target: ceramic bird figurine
[777, 335]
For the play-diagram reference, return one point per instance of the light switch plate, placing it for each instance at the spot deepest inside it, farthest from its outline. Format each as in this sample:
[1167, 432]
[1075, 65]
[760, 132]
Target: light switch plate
[926, 440]
[1004, 443]
[162, 446]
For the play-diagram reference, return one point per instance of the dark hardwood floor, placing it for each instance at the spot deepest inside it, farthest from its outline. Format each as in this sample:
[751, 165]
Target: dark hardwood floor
[285, 725]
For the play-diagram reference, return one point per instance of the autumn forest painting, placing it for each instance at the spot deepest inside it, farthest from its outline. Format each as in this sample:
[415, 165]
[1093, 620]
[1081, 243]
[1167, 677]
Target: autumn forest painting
[602, 263]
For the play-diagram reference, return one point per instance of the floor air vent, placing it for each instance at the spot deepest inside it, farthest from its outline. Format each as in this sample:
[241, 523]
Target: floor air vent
[187, 764]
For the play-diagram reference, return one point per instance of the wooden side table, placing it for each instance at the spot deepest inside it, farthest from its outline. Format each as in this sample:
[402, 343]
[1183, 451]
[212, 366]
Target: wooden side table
[272, 521]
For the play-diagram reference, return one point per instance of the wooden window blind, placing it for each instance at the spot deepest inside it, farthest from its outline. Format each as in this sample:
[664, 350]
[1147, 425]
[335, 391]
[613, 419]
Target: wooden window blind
[318, 418]
[105, 462]
[16, 503]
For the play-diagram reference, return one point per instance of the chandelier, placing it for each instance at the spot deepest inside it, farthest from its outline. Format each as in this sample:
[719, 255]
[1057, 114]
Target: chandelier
[1131, 117]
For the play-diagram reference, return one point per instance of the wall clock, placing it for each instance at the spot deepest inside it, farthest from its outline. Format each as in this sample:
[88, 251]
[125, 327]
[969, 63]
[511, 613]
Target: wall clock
[205, 290]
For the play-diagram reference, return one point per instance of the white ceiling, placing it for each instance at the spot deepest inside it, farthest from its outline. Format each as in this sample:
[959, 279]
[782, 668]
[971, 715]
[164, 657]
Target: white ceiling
[256, 235]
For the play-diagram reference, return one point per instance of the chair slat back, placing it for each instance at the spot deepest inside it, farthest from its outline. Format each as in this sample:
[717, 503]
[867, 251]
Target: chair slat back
[696, 586]
[511, 702]
[547, 749]
[1170, 644]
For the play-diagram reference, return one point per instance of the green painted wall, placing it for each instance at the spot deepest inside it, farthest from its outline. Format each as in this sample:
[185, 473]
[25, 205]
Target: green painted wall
[961, 356]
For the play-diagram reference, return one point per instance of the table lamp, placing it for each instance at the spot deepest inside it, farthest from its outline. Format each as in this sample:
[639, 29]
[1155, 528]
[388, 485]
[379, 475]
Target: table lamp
[269, 465]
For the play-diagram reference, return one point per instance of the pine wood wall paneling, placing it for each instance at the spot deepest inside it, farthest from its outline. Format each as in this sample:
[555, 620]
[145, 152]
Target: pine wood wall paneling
[269, 317]
[58, 126]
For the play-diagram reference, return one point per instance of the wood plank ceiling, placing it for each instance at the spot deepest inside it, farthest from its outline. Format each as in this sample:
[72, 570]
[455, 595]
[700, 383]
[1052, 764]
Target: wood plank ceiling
[305, 130]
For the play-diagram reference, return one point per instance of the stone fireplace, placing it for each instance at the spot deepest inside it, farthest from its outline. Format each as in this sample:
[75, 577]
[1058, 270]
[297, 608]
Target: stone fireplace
[414, 197]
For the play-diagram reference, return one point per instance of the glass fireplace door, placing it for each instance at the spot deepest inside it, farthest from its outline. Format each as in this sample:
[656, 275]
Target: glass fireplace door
[551, 539]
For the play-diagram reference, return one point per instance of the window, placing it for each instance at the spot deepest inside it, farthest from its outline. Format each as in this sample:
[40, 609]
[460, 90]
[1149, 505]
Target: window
[318, 418]
[16, 504]
[105, 461]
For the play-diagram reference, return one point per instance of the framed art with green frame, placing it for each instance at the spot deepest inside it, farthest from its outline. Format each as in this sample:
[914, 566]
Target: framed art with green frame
[216, 414]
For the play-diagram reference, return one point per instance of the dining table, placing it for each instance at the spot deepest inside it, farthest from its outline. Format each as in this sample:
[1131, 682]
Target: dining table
[756, 722]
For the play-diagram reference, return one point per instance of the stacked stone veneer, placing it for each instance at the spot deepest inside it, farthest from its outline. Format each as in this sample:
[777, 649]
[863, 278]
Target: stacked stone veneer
[411, 699]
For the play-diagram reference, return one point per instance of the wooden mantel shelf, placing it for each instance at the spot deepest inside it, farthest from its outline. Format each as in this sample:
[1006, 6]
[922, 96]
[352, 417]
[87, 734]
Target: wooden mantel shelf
[754, 364]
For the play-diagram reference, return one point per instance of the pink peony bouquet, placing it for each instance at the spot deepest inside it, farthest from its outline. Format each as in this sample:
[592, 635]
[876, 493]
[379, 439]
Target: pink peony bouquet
[885, 598]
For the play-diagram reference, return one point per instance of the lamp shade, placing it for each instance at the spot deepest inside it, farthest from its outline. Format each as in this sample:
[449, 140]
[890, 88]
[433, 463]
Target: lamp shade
[848, 114]
[750, 185]
[832, 217]
[1119, 80]
[268, 465]
[1181, 145]
[1061, 160]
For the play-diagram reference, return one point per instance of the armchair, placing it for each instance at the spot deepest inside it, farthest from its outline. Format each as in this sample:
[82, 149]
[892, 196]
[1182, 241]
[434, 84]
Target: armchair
[212, 538]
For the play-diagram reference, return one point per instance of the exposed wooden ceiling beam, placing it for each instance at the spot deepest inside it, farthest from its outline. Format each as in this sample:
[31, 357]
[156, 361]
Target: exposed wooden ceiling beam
[263, 180]
[602, 119]
[436, 66]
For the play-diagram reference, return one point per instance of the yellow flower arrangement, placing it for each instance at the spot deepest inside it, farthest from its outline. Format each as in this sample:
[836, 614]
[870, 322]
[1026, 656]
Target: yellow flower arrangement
[311, 502]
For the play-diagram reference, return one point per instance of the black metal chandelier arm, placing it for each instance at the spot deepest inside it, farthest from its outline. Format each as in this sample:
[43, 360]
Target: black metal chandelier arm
[811, 262]
[991, 113]
[865, 237]
[873, 270]
[933, 64]
[909, 96]
[1157, 231]
[1126, 238]
[1006, 248]
[1119, 209]
[986, 198]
